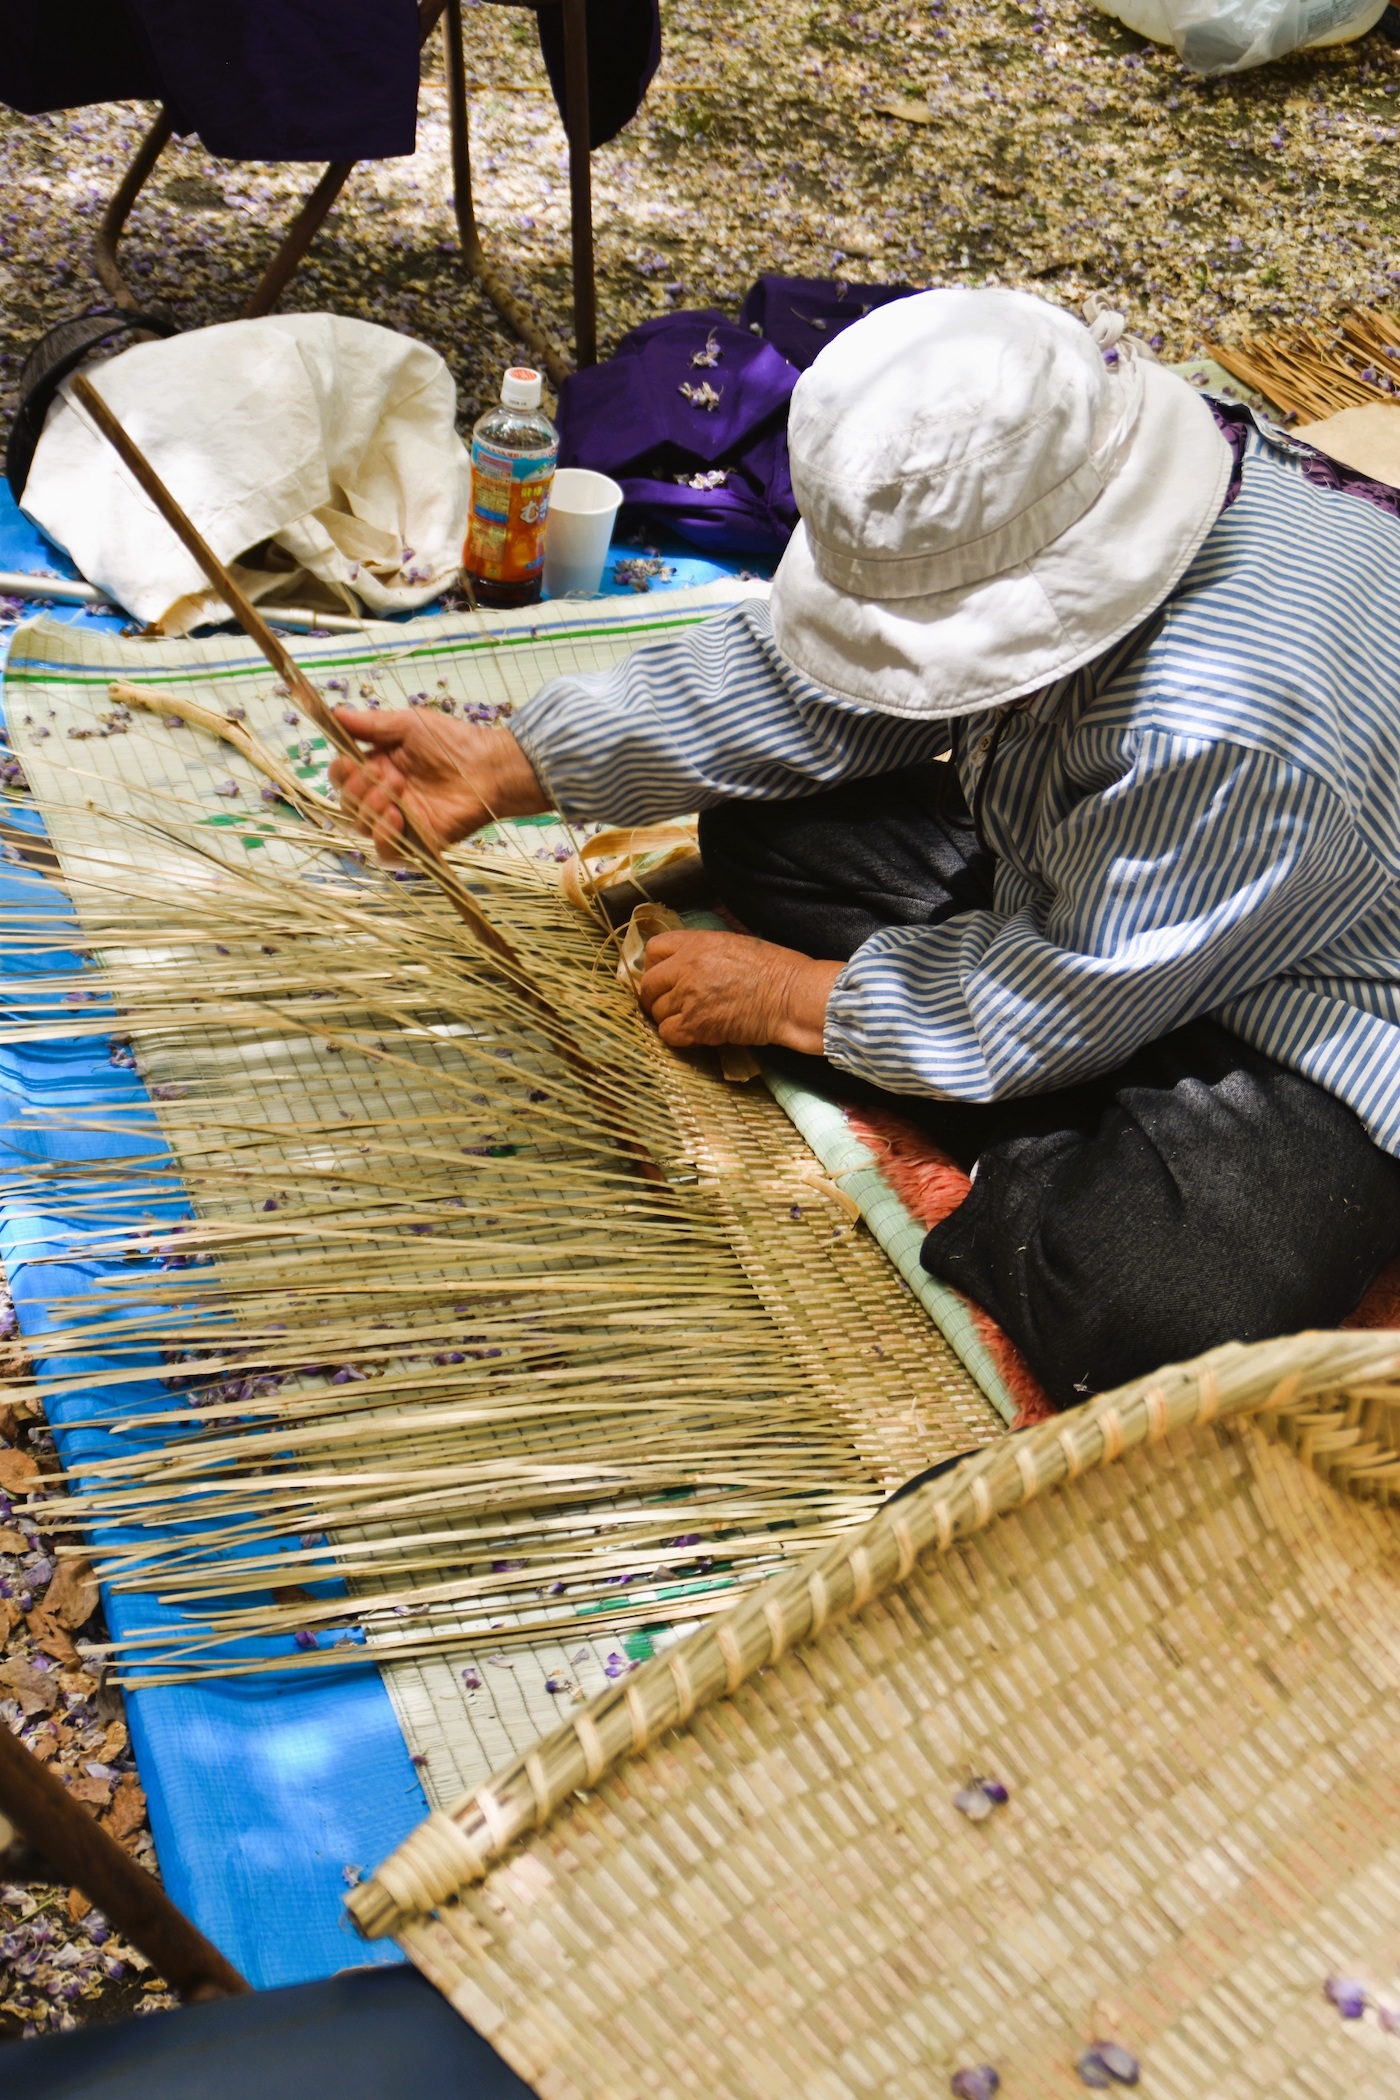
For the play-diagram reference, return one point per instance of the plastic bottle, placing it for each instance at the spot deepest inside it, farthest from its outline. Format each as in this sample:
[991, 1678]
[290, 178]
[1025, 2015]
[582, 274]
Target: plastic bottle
[513, 453]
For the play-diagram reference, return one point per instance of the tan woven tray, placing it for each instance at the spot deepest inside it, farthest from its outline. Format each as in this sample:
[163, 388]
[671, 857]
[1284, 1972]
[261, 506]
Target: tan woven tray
[1173, 1639]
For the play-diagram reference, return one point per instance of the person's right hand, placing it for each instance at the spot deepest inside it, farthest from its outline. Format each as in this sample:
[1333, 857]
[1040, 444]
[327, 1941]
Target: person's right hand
[450, 777]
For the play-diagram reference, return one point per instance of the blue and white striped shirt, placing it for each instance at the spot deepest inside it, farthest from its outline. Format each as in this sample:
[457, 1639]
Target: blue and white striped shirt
[1204, 821]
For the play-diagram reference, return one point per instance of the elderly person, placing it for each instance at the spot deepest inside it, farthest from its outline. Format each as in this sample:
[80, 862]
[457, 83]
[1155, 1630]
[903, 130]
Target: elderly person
[1059, 788]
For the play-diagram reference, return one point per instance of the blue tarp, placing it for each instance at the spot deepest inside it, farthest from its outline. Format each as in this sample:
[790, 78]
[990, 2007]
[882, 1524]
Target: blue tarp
[265, 1792]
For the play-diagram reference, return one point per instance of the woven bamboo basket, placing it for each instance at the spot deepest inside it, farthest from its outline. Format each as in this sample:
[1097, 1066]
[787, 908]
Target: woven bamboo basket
[1168, 1624]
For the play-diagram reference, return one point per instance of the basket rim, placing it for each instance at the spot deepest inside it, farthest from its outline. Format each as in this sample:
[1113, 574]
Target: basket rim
[452, 1848]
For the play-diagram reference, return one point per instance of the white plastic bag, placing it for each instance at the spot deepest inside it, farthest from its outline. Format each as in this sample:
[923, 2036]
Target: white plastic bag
[1229, 36]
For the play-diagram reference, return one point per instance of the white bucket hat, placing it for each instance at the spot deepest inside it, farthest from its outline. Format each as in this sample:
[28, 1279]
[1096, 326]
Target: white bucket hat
[992, 494]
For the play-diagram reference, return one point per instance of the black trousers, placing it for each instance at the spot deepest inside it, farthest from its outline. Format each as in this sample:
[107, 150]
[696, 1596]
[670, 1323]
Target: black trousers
[367, 2034]
[1198, 1194]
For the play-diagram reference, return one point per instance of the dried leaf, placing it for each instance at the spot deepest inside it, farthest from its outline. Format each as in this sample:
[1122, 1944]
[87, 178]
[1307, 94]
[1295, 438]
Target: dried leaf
[15, 1414]
[36, 1690]
[95, 1792]
[71, 1597]
[910, 112]
[18, 1472]
[14, 1542]
[49, 1637]
[113, 1742]
[128, 1809]
[78, 1905]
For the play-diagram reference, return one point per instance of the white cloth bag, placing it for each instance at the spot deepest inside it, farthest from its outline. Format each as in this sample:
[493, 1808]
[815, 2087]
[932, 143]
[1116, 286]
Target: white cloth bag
[331, 439]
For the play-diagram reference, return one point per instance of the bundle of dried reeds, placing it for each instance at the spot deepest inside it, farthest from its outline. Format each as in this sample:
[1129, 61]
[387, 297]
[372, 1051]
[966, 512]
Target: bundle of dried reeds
[443, 1292]
[1310, 373]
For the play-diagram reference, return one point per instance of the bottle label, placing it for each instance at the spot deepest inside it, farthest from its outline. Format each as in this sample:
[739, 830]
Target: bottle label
[510, 502]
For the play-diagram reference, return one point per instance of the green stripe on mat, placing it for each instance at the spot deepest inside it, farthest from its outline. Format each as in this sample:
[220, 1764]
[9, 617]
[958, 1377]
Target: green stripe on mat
[341, 656]
[854, 1169]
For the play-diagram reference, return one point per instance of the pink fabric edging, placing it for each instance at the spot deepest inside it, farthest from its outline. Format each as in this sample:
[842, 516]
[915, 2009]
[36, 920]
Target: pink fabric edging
[930, 1187]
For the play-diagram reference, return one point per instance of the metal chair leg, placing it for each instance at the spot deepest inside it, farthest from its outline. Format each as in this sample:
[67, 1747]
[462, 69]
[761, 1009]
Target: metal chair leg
[104, 247]
[512, 309]
[576, 124]
[302, 232]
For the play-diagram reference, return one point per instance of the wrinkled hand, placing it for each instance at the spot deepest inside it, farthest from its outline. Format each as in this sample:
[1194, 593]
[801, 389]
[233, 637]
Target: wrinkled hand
[451, 777]
[729, 988]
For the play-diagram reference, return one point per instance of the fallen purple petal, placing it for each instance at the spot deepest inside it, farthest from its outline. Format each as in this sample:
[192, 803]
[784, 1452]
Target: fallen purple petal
[1347, 1995]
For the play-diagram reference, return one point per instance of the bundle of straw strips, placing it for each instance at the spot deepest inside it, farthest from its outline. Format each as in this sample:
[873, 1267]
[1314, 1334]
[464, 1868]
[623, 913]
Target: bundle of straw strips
[416, 1315]
[1310, 373]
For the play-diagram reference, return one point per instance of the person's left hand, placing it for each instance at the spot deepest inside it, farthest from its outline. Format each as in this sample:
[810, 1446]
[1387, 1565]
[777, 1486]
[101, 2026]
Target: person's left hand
[729, 988]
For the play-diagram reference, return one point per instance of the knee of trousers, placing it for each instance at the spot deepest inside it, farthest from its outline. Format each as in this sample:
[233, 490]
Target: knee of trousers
[733, 844]
[1098, 1285]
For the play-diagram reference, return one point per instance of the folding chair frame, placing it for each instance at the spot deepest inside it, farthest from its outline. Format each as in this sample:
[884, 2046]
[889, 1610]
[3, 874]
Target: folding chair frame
[314, 212]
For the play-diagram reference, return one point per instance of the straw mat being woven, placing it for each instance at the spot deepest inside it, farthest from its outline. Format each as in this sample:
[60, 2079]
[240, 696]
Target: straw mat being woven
[1173, 1638]
[416, 1319]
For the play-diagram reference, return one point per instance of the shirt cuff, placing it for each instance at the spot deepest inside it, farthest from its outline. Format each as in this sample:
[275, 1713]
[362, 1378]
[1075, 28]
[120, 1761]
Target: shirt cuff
[898, 1018]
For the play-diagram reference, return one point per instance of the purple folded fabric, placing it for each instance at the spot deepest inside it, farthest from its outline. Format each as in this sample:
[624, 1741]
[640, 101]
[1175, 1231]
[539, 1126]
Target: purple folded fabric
[287, 79]
[800, 315]
[690, 417]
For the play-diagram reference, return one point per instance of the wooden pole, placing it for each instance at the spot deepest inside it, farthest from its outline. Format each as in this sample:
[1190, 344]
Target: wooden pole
[76, 1847]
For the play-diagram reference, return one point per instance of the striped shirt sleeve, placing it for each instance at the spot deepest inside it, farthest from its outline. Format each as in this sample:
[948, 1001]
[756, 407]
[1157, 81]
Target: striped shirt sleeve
[1202, 871]
[713, 716]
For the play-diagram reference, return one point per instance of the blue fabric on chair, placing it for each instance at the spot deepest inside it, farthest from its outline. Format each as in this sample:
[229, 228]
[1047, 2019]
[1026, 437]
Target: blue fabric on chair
[366, 2034]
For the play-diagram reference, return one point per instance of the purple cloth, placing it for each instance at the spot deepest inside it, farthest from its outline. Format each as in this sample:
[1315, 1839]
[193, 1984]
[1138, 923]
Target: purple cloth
[716, 474]
[257, 79]
[631, 419]
[800, 315]
[91, 51]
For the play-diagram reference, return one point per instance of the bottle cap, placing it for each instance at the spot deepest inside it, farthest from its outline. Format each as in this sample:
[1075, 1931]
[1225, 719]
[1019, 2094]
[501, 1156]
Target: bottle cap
[521, 388]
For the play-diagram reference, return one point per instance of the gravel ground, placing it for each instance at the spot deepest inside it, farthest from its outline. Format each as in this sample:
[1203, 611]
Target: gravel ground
[59, 1960]
[1039, 145]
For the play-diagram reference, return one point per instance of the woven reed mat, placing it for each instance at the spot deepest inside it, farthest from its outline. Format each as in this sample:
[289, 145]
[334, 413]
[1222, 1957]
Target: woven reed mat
[139, 815]
[1167, 1623]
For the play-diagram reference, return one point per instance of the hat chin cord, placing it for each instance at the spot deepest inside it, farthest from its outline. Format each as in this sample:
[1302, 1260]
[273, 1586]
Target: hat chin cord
[1121, 353]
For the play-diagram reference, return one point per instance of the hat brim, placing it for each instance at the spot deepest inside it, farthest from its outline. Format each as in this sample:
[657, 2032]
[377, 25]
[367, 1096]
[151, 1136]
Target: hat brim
[989, 643]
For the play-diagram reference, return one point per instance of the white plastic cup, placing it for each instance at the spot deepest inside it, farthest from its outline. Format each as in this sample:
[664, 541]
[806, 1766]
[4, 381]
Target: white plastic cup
[578, 531]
